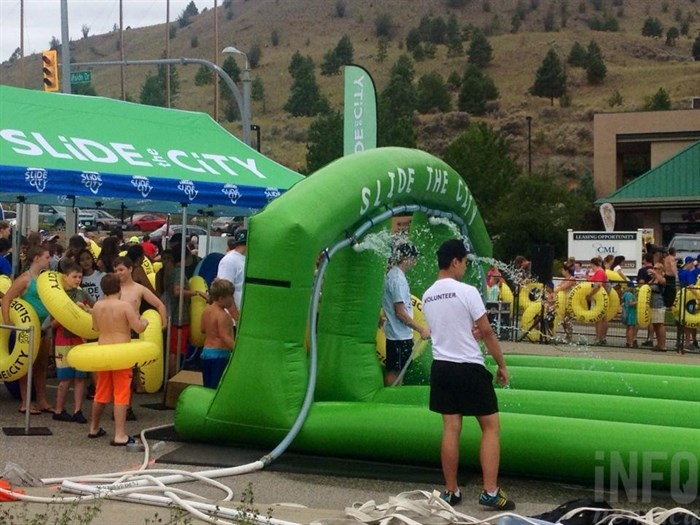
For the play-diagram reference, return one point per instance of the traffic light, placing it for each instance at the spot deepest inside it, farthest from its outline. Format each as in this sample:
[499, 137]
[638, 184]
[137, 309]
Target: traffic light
[49, 65]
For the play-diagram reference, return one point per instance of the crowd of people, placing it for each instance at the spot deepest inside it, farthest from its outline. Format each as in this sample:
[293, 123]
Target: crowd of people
[661, 270]
[107, 277]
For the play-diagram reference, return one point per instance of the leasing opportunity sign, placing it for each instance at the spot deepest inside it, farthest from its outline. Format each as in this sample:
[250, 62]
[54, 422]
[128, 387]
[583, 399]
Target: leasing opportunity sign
[583, 246]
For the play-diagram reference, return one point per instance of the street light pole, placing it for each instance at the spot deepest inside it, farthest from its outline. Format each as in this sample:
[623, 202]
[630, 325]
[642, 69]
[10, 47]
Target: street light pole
[245, 119]
[245, 111]
[529, 145]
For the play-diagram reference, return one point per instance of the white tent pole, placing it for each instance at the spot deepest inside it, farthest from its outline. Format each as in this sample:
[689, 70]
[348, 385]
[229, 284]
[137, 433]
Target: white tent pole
[181, 297]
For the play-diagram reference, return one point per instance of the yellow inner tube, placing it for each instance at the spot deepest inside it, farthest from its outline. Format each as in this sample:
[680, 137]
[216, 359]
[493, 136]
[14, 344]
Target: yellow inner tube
[145, 353]
[14, 363]
[197, 306]
[644, 306]
[506, 295]
[686, 307]
[5, 283]
[613, 305]
[151, 374]
[529, 294]
[63, 308]
[419, 318]
[578, 304]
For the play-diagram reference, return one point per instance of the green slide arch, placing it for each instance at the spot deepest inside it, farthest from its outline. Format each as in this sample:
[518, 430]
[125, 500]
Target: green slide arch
[351, 414]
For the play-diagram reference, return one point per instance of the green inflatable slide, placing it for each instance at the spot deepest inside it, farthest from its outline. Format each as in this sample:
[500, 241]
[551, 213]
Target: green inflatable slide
[305, 374]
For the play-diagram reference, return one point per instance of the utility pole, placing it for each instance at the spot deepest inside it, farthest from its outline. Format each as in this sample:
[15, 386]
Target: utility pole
[167, 53]
[216, 61]
[121, 47]
[22, 74]
[65, 50]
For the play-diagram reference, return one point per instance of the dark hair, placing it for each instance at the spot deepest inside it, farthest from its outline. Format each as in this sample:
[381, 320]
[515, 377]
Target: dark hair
[4, 245]
[80, 256]
[449, 250]
[404, 251]
[35, 251]
[70, 266]
[619, 259]
[569, 268]
[110, 284]
[76, 243]
[597, 261]
[220, 288]
[135, 252]
[122, 260]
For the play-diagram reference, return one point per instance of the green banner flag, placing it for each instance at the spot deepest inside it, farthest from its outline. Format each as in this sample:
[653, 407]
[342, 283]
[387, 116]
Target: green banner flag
[360, 117]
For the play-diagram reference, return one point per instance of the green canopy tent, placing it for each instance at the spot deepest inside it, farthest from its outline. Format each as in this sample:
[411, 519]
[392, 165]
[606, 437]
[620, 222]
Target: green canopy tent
[95, 152]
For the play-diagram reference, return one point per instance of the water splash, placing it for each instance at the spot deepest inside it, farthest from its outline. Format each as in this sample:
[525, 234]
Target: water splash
[379, 242]
[442, 221]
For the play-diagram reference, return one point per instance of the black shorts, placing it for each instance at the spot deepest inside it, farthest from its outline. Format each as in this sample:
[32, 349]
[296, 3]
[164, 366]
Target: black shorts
[462, 388]
[397, 354]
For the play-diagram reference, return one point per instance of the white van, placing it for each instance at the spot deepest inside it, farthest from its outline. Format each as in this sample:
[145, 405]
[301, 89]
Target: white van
[686, 244]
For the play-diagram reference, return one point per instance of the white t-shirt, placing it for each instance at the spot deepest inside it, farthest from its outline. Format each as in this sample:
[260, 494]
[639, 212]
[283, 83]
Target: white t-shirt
[451, 309]
[91, 284]
[396, 291]
[231, 268]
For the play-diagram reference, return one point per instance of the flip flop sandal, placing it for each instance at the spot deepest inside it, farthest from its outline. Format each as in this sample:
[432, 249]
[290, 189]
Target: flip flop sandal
[101, 432]
[127, 442]
[33, 411]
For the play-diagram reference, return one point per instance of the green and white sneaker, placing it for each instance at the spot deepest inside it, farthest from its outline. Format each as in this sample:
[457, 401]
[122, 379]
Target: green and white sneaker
[453, 498]
[498, 502]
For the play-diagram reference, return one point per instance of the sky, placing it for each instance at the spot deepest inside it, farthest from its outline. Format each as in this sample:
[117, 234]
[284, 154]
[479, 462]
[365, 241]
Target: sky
[42, 19]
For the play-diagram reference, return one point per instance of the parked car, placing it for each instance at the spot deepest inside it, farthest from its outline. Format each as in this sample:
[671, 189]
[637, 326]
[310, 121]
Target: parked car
[226, 224]
[105, 221]
[157, 235]
[55, 217]
[145, 222]
[11, 217]
[686, 244]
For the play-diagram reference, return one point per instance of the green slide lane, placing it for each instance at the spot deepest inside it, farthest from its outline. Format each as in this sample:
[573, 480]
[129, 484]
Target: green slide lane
[352, 414]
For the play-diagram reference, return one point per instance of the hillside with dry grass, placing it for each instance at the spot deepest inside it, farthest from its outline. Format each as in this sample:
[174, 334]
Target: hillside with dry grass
[561, 136]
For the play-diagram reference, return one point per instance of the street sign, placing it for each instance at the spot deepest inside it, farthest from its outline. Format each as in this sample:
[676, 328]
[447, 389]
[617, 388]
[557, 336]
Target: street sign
[80, 77]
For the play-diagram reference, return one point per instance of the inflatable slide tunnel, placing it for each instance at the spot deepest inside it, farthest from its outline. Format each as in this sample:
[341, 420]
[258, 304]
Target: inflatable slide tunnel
[351, 413]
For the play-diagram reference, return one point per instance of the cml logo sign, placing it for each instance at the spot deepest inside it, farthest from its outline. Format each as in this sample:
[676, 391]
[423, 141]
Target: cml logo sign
[187, 187]
[142, 185]
[231, 192]
[92, 181]
[37, 178]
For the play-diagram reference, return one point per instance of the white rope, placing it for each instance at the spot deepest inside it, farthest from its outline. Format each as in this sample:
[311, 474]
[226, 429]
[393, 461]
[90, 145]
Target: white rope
[420, 507]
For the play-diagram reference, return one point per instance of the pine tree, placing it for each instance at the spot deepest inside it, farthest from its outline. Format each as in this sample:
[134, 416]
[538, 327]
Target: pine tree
[325, 141]
[659, 101]
[595, 67]
[480, 51]
[578, 57]
[231, 110]
[305, 97]
[400, 94]
[477, 89]
[550, 80]
[696, 48]
[433, 94]
[153, 89]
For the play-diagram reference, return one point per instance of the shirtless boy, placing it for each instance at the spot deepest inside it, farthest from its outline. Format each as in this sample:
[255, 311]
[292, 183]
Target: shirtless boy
[135, 293]
[217, 326]
[114, 319]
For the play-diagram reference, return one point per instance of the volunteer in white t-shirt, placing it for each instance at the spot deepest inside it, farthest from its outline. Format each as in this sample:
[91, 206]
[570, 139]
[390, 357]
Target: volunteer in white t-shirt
[460, 384]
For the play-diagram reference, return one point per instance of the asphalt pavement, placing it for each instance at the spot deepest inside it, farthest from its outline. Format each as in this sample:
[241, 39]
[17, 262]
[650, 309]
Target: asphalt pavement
[291, 496]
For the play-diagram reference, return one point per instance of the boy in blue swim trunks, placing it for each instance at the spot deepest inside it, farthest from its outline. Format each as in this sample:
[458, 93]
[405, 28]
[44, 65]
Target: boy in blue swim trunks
[217, 325]
[64, 341]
